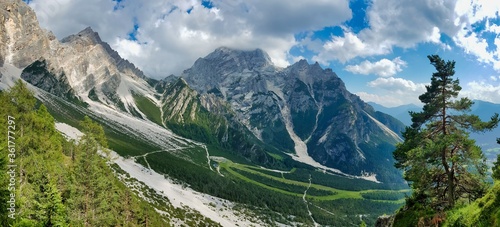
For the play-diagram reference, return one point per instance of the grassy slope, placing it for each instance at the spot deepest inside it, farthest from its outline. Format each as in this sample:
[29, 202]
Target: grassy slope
[147, 107]
[337, 193]
[483, 212]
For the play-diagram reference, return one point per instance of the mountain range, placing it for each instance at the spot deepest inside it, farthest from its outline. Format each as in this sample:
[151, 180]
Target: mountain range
[302, 110]
[231, 105]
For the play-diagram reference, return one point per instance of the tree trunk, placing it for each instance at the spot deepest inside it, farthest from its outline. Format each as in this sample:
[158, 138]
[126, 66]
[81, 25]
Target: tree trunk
[449, 172]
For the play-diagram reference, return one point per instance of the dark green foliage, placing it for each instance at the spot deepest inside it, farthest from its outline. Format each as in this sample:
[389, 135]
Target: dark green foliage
[184, 115]
[339, 182]
[65, 184]
[284, 186]
[347, 211]
[413, 214]
[496, 169]
[276, 135]
[384, 195]
[4, 178]
[483, 212]
[496, 166]
[439, 159]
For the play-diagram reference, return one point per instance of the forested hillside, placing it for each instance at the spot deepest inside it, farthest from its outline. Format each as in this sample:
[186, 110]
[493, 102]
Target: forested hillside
[55, 182]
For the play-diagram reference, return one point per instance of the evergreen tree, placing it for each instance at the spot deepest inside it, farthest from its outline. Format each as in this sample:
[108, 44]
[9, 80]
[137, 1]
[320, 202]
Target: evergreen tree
[496, 166]
[61, 182]
[50, 211]
[439, 159]
[4, 193]
[496, 169]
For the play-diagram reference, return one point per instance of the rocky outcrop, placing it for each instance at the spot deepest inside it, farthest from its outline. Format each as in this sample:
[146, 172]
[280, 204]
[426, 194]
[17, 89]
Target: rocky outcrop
[45, 78]
[301, 107]
[72, 67]
[385, 221]
[22, 41]
[88, 37]
[209, 119]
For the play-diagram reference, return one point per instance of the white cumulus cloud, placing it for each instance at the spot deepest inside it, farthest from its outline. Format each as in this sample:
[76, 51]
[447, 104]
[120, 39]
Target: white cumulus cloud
[394, 23]
[169, 38]
[482, 91]
[383, 67]
[384, 100]
[392, 92]
[398, 84]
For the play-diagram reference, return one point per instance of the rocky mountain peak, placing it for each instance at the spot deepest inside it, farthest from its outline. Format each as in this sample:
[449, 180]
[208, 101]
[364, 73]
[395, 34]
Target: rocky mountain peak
[89, 37]
[309, 73]
[242, 59]
[86, 37]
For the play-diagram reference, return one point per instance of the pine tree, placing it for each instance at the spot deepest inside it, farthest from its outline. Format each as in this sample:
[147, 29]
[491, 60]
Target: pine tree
[496, 169]
[4, 193]
[50, 211]
[439, 159]
[496, 166]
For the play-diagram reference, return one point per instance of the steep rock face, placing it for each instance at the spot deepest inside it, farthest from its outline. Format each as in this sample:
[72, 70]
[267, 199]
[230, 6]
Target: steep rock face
[83, 61]
[43, 77]
[385, 221]
[241, 78]
[89, 37]
[208, 119]
[301, 109]
[22, 41]
[90, 64]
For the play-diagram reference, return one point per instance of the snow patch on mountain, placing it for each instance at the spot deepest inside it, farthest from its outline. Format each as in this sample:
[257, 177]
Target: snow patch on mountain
[301, 154]
[217, 209]
[8, 75]
[180, 196]
[69, 131]
[384, 128]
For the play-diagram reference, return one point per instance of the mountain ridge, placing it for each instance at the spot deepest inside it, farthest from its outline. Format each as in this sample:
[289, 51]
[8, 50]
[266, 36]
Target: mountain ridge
[228, 136]
[288, 103]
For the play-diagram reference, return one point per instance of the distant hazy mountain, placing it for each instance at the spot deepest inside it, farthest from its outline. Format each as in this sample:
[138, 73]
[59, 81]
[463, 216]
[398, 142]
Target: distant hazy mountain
[487, 140]
[483, 109]
[399, 112]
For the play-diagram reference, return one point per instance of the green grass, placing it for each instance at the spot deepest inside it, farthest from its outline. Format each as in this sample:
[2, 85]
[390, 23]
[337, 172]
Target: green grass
[385, 195]
[194, 154]
[276, 156]
[190, 165]
[335, 193]
[294, 188]
[126, 145]
[147, 107]
[483, 212]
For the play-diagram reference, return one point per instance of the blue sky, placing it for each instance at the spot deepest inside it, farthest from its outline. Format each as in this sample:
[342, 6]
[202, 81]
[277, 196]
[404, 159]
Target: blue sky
[378, 48]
